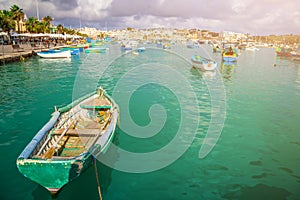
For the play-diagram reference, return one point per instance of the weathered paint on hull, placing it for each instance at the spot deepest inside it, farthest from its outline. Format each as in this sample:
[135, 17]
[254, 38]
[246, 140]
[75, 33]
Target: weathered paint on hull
[57, 171]
[53, 174]
[229, 59]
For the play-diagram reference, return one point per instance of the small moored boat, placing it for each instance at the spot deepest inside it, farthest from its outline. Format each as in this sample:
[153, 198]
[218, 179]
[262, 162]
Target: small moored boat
[126, 47]
[65, 146]
[203, 63]
[96, 50]
[141, 49]
[230, 55]
[217, 49]
[54, 54]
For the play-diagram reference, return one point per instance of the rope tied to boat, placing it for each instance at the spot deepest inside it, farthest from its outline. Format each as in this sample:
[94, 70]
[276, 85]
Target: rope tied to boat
[97, 178]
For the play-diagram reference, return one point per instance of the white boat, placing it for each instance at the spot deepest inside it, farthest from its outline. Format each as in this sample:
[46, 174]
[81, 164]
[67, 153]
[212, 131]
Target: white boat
[203, 63]
[141, 49]
[54, 54]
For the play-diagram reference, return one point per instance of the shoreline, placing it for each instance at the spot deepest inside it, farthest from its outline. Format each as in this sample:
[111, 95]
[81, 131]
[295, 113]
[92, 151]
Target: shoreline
[8, 54]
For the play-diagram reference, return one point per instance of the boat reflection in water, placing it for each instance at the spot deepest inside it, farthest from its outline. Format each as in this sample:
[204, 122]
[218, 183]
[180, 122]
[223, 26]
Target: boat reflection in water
[209, 74]
[227, 69]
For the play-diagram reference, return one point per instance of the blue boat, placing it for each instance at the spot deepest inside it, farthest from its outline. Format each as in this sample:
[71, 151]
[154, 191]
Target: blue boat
[75, 52]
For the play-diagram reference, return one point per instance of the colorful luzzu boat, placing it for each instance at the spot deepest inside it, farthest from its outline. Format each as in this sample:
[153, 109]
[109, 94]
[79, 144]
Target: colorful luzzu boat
[229, 55]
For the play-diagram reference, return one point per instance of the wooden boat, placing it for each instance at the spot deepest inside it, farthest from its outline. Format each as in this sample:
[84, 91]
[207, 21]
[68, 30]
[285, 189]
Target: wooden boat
[283, 52]
[203, 63]
[52, 54]
[85, 46]
[126, 47]
[96, 50]
[167, 46]
[287, 52]
[65, 146]
[295, 56]
[217, 49]
[229, 55]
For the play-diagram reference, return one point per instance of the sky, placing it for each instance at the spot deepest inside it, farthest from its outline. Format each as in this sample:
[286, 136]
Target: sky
[256, 17]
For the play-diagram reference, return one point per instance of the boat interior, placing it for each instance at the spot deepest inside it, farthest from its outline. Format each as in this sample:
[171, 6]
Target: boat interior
[76, 130]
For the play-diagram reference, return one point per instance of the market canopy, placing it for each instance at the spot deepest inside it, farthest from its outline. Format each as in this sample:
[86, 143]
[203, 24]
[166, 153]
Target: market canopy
[49, 35]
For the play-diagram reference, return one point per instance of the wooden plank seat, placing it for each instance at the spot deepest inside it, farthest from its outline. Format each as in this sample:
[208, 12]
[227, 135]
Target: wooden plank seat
[74, 142]
[79, 132]
[97, 104]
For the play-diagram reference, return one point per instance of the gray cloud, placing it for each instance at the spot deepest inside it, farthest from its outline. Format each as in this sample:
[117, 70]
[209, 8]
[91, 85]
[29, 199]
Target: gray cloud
[248, 16]
[65, 4]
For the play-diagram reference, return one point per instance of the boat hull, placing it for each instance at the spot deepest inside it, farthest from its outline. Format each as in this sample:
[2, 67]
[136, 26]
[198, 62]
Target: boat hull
[230, 55]
[96, 50]
[53, 174]
[54, 55]
[203, 63]
[229, 58]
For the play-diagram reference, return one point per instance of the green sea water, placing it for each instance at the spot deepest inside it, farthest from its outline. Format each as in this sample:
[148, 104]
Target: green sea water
[256, 157]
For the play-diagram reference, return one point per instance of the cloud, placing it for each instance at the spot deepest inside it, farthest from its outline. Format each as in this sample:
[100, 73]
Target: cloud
[247, 16]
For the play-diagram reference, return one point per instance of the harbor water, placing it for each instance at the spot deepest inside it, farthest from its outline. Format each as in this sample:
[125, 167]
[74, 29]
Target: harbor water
[256, 156]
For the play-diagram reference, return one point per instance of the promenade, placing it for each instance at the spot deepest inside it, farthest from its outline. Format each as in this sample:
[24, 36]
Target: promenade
[22, 51]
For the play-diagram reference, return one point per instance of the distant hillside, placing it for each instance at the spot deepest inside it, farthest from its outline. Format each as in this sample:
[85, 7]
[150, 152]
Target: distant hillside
[283, 39]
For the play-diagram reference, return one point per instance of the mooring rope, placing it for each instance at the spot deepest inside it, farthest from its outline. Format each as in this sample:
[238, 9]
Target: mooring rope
[97, 178]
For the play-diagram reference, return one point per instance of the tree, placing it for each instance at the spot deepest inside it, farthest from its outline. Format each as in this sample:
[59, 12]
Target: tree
[31, 24]
[6, 21]
[69, 31]
[60, 28]
[47, 20]
[43, 27]
[17, 14]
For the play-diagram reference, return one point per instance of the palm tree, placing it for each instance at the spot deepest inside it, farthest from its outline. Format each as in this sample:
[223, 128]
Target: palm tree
[47, 21]
[43, 27]
[18, 15]
[31, 24]
[60, 28]
[6, 21]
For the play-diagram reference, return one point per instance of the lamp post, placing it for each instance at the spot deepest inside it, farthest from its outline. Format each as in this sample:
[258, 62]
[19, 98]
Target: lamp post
[2, 41]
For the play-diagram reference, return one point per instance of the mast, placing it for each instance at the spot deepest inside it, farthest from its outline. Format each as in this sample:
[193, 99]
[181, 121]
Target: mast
[80, 24]
[37, 10]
